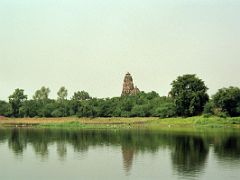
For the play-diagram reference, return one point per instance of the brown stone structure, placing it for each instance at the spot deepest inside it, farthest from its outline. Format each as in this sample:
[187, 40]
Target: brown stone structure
[128, 86]
[135, 91]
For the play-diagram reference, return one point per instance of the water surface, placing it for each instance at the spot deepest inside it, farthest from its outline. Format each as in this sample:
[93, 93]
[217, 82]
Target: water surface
[28, 153]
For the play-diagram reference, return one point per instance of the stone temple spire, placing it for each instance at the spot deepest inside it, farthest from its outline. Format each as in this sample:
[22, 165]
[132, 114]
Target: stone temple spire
[135, 91]
[128, 86]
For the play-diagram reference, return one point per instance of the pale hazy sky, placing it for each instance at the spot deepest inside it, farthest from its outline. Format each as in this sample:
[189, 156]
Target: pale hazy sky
[91, 44]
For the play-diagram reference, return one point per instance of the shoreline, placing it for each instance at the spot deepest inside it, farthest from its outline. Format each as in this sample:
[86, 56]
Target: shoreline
[123, 123]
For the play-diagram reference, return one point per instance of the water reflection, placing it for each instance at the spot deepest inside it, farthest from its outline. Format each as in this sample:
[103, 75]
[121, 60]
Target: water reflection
[17, 142]
[61, 150]
[127, 154]
[189, 152]
[228, 148]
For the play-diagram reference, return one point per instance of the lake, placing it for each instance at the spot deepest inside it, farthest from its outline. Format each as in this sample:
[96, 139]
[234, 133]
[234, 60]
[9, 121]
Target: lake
[31, 153]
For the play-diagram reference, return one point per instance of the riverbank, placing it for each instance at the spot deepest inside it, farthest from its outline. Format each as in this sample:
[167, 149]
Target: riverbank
[109, 123]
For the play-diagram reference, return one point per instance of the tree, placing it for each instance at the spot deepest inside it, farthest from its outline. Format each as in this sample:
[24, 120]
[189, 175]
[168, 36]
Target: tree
[57, 113]
[208, 108]
[81, 95]
[16, 101]
[85, 110]
[152, 95]
[126, 105]
[29, 108]
[189, 94]
[5, 109]
[62, 93]
[140, 111]
[227, 100]
[165, 110]
[41, 94]
[62, 104]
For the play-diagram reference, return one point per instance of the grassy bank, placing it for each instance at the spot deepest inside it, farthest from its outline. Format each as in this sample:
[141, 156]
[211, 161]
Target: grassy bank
[99, 123]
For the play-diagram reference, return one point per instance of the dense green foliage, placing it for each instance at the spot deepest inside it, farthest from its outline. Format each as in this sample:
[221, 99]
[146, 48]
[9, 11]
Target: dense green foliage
[16, 101]
[41, 94]
[83, 105]
[62, 93]
[5, 109]
[189, 94]
[226, 102]
[188, 97]
[81, 95]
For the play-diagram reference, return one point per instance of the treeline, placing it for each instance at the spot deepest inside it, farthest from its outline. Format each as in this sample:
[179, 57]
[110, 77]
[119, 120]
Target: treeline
[82, 105]
[188, 97]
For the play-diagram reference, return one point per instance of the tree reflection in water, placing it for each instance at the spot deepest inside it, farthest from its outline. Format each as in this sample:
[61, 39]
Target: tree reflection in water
[17, 142]
[189, 152]
[61, 150]
[228, 148]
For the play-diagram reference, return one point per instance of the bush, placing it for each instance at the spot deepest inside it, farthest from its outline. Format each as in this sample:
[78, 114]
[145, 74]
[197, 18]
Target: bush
[209, 108]
[5, 109]
[166, 110]
[57, 113]
[227, 101]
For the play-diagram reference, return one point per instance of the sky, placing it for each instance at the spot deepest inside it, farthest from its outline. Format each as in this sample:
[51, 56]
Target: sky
[91, 44]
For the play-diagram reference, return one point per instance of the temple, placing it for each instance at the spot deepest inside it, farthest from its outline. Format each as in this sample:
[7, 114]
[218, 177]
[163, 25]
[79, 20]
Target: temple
[128, 86]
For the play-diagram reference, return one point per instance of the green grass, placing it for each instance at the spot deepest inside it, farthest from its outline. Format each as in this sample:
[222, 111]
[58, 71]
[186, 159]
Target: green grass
[79, 125]
[122, 123]
[152, 123]
[199, 121]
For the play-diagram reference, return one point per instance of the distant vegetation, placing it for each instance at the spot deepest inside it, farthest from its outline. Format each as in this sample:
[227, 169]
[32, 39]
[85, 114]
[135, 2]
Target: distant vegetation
[188, 97]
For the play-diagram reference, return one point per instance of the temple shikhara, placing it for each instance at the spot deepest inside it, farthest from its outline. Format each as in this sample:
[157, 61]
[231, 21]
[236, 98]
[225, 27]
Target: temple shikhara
[128, 86]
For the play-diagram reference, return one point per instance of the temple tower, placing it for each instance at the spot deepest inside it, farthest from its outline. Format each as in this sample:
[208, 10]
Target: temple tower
[128, 86]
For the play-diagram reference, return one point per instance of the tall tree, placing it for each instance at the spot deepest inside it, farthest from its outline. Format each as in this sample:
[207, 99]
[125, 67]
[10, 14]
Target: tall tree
[16, 100]
[62, 109]
[81, 95]
[189, 94]
[41, 94]
[62, 93]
